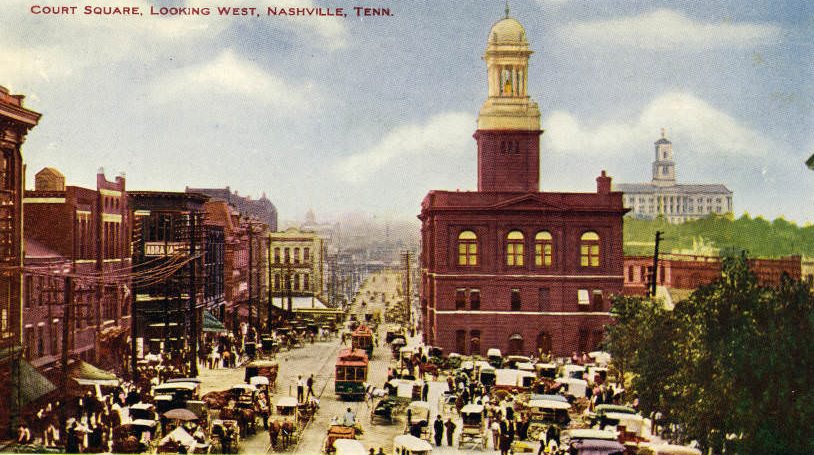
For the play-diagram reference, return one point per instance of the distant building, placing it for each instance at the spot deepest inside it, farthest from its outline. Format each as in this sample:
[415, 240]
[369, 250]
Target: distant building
[508, 266]
[676, 202]
[260, 209]
[15, 123]
[679, 274]
[296, 265]
[242, 283]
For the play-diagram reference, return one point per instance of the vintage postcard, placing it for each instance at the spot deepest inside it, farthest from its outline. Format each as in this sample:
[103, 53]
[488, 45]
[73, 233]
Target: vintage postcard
[404, 226]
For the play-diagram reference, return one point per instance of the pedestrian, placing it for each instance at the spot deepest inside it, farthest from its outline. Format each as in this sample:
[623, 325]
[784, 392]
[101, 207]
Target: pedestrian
[495, 427]
[300, 389]
[72, 439]
[450, 426]
[425, 391]
[310, 384]
[23, 434]
[438, 426]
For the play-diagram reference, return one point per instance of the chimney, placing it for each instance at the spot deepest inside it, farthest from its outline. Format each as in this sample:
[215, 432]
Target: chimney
[603, 183]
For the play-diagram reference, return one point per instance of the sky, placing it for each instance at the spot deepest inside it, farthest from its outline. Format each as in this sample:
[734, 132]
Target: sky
[367, 114]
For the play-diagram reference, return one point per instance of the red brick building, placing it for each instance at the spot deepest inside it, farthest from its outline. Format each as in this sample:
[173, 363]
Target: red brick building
[84, 232]
[689, 272]
[15, 122]
[508, 266]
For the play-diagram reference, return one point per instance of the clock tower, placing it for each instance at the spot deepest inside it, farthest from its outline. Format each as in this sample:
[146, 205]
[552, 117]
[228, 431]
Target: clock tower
[508, 134]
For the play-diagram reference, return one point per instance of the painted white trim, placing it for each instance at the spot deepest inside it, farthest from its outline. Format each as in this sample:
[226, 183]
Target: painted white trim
[44, 200]
[112, 217]
[523, 313]
[501, 275]
[107, 192]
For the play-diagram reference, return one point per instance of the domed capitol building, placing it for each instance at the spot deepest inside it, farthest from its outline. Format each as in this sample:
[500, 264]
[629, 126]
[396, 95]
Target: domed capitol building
[676, 202]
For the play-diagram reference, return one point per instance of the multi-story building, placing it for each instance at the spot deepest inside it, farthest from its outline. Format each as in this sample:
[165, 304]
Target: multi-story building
[245, 266]
[674, 201]
[262, 210]
[168, 265]
[89, 231]
[508, 266]
[296, 265]
[680, 274]
[15, 123]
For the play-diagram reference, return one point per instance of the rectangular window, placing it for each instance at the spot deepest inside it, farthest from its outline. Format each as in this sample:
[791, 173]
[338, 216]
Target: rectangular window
[460, 299]
[598, 301]
[583, 299]
[40, 341]
[460, 341]
[54, 337]
[306, 254]
[543, 299]
[474, 299]
[305, 282]
[474, 342]
[583, 340]
[516, 302]
[630, 274]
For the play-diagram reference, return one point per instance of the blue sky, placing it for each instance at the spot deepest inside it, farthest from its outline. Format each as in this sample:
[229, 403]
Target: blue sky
[368, 114]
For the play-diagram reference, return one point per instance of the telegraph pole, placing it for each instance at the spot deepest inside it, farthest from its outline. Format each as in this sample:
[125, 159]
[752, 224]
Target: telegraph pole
[268, 287]
[193, 298]
[251, 253]
[67, 321]
[655, 265]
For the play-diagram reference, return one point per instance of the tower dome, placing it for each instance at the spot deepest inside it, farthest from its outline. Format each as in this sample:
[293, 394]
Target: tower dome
[508, 31]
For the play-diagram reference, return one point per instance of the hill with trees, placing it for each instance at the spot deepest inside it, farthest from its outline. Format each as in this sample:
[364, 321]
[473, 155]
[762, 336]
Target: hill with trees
[757, 236]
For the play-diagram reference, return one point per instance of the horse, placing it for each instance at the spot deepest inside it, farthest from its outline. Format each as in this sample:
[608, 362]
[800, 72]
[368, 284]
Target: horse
[287, 430]
[274, 432]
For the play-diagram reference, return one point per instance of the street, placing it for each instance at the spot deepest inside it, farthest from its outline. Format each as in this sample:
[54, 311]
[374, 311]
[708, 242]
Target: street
[319, 358]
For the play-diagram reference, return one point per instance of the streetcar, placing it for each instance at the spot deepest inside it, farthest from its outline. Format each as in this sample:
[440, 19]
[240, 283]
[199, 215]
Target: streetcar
[362, 338]
[351, 373]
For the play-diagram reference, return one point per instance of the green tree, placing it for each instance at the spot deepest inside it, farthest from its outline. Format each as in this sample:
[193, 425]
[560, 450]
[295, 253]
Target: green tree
[734, 359]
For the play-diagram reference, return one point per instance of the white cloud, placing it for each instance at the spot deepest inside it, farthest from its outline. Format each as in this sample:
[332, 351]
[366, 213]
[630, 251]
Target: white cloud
[665, 29]
[229, 74]
[707, 130]
[65, 45]
[425, 144]
[331, 30]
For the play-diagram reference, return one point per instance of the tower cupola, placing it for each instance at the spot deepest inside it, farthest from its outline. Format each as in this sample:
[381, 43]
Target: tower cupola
[509, 131]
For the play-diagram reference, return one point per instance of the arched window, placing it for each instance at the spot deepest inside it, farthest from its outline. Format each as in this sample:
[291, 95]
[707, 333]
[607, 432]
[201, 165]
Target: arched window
[467, 248]
[543, 249]
[589, 249]
[514, 248]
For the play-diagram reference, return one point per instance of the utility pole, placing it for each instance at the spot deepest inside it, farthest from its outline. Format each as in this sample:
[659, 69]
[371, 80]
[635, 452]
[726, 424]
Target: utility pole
[407, 303]
[193, 297]
[251, 253]
[268, 287]
[67, 321]
[655, 265]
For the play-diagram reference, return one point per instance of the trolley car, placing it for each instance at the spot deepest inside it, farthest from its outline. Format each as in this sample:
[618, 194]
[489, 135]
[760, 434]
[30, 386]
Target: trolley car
[351, 373]
[362, 338]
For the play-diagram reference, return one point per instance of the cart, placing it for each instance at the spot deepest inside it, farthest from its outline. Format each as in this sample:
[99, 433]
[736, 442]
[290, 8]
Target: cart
[472, 431]
[338, 432]
[419, 415]
[226, 434]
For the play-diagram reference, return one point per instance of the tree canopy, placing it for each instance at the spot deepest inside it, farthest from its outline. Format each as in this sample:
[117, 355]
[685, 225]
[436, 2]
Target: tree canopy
[758, 236]
[732, 364]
